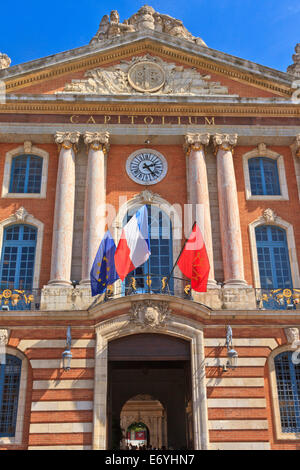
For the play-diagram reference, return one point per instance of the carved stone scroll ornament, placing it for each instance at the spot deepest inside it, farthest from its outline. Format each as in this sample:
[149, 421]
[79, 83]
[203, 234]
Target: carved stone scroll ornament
[67, 140]
[97, 141]
[146, 19]
[21, 214]
[149, 314]
[225, 142]
[195, 142]
[269, 216]
[294, 69]
[146, 196]
[292, 335]
[5, 61]
[4, 335]
[145, 74]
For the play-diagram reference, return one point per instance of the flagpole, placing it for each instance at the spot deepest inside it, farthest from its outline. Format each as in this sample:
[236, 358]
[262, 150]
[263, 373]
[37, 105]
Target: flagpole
[186, 240]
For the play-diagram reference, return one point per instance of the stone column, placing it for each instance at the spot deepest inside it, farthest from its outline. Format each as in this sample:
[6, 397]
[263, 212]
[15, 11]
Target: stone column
[64, 209]
[231, 237]
[95, 199]
[199, 194]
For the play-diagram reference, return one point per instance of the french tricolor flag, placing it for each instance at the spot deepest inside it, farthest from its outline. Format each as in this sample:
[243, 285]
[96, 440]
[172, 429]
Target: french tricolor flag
[134, 246]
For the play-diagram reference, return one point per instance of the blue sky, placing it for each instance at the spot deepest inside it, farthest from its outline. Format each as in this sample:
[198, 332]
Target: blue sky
[264, 31]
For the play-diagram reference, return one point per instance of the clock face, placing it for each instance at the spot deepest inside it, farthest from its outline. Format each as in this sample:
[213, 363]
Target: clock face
[146, 166]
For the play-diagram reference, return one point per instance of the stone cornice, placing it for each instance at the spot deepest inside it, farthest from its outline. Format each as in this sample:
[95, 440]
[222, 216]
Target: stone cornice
[89, 57]
[157, 109]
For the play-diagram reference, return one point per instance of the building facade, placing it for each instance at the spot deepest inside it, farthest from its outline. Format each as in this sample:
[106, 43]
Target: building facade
[149, 114]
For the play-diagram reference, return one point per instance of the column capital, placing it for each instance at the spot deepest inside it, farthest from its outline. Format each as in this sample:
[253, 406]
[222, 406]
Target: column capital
[67, 140]
[195, 142]
[97, 141]
[225, 142]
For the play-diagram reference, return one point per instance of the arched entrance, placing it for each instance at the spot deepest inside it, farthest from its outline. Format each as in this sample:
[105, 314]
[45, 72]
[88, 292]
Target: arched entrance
[121, 323]
[155, 365]
[150, 422]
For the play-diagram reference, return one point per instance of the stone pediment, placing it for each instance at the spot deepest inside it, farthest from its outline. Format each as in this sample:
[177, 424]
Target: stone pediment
[145, 75]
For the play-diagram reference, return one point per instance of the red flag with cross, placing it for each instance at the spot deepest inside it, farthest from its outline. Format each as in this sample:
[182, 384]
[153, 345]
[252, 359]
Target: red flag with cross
[193, 261]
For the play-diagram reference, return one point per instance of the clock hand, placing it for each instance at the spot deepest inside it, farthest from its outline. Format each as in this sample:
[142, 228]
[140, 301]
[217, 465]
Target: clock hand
[148, 168]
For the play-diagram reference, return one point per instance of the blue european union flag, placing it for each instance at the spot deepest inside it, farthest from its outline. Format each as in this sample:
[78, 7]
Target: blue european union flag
[103, 272]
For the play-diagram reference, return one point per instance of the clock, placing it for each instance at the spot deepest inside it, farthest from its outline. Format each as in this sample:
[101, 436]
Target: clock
[146, 166]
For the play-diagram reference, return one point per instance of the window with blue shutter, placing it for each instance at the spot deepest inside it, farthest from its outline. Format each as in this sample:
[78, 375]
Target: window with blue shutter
[273, 257]
[26, 174]
[288, 387]
[264, 178]
[18, 256]
[10, 374]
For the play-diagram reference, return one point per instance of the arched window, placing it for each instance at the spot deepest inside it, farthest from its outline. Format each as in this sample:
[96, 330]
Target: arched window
[264, 179]
[10, 374]
[288, 388]
[18, 256]
[26, 174]
[160, 262]
[273, 257]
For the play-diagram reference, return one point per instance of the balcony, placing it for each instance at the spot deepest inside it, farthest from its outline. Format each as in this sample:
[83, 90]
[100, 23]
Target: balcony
[149, 284]
[278, 299]
[60, 298]
[20, 299]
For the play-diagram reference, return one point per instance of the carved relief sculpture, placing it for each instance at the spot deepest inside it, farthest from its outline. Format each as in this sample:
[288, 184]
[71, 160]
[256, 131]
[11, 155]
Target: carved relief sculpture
[145, 74]
[5, 61]
[4, 334]
[149, 314]
[294, 69]
[269, 216]
[145, 19]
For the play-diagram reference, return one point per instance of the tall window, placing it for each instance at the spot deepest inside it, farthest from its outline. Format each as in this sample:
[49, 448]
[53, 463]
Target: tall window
[273, 257]
[288, 386]
[264, 179]
[10, 374]
[160, 262]
[26, 174]
[17, 259]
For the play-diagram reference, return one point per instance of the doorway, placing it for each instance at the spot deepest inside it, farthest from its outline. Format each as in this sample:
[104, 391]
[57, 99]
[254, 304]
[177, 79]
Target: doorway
[150, 373]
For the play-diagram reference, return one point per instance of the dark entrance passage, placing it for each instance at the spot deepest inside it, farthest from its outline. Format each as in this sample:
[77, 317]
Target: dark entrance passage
[157, 366]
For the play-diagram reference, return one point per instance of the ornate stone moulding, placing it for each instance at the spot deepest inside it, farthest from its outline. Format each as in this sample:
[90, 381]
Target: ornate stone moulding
[5, 61]
[149, 314]
[21, 214]
[269, 216]
[292, 335]
[145, 19]
[294, 69]
[145, 74]
[4, 336]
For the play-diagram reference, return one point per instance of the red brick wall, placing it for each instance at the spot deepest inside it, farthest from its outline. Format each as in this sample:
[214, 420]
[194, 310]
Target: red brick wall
[41, 209]
[252, 210]
[172, 188]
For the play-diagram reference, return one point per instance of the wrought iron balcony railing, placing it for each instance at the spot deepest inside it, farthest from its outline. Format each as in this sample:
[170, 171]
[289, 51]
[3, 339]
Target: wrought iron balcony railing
[19, 299]
[149, 284]
[278, 299]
